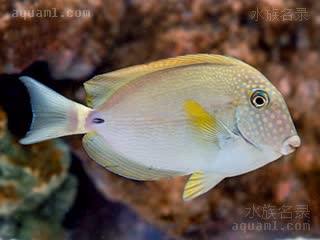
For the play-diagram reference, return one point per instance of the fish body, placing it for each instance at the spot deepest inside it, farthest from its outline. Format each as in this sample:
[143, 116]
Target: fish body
[210, 116]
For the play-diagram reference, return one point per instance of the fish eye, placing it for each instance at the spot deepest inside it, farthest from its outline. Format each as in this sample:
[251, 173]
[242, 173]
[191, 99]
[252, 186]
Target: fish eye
[259, 99]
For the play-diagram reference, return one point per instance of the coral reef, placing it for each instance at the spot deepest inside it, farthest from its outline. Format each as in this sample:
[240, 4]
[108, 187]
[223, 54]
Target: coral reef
[122, 33]
[52, 32]
[35, 188]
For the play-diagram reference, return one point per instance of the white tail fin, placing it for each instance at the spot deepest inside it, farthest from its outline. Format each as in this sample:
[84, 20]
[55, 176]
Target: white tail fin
[53, 115]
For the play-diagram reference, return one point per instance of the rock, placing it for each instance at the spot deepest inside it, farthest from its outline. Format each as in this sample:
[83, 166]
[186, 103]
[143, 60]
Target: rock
[43, 31]
[35, 188]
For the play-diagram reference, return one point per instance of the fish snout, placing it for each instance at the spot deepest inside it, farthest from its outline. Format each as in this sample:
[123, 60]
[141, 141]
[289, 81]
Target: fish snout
[290, 144]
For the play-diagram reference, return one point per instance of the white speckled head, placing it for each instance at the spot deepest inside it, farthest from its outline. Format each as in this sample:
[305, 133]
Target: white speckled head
[262, 115]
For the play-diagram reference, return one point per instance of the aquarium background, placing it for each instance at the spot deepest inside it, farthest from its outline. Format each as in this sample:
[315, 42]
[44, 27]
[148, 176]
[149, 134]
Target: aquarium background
[52, 190]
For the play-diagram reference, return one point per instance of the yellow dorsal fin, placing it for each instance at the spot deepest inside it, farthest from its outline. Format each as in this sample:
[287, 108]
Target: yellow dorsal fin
[199, 183]
[101, 87]
[205, 125]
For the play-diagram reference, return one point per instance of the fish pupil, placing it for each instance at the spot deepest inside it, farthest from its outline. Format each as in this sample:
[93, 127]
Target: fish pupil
[98, 120]
[259, 100]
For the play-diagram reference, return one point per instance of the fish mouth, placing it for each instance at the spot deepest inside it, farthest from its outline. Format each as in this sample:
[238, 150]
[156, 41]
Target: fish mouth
[290, 145]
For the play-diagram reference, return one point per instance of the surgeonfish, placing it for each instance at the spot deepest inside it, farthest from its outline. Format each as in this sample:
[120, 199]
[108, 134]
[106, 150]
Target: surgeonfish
[211, 116]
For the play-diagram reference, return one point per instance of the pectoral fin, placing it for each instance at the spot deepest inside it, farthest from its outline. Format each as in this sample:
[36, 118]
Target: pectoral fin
[199, 183]
[102, 152]
[206, 126]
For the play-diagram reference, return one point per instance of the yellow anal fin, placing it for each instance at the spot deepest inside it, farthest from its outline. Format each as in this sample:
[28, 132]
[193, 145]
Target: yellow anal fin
[101, 87]
[199, 183]
[205, 125]
[101, 152]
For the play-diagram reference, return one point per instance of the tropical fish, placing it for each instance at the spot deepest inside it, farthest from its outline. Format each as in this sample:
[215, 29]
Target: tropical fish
[211, 116]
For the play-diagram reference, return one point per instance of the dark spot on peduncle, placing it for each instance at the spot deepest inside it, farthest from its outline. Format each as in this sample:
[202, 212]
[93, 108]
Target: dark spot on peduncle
[98, 120]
